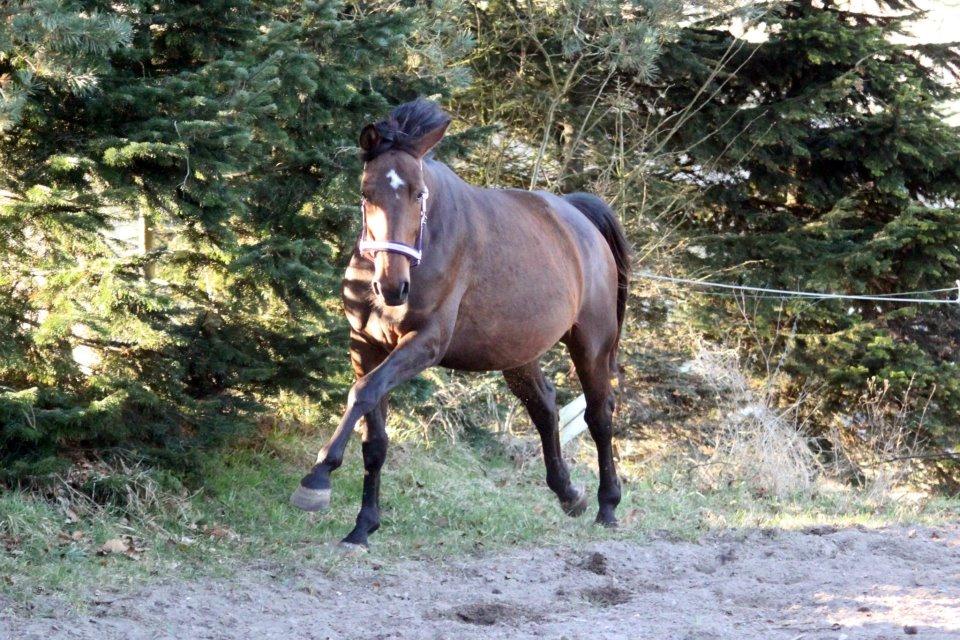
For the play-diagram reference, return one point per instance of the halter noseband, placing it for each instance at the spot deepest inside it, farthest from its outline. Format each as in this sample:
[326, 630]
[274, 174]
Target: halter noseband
[370, 248]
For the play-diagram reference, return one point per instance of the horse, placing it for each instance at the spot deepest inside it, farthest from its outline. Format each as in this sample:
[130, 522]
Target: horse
[449, 274]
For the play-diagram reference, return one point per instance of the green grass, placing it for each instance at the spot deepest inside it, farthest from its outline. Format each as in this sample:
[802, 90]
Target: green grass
[438, 501]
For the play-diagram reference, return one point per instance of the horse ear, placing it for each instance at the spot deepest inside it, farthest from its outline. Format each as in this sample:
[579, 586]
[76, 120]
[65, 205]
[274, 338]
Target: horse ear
[430, 139]
[369, 137]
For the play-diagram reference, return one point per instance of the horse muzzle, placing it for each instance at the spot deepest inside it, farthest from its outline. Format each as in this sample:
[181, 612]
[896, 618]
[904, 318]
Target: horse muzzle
[393, 295]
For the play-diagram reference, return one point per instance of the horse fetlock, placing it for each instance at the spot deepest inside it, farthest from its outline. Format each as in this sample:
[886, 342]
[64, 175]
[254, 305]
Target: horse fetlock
[606, 518]
[310, 499]
[577, 505]
[367, 523]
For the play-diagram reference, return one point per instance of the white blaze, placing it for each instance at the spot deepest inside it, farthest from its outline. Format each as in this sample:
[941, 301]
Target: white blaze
[395, 181]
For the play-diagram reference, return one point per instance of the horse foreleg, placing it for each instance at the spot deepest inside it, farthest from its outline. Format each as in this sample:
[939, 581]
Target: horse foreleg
[365, 358]
[415, 352]
[374, 448]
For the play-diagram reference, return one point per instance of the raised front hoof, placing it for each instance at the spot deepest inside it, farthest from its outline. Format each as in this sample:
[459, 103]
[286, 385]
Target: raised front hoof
[310, 499]
[352, 549]
[575, 507]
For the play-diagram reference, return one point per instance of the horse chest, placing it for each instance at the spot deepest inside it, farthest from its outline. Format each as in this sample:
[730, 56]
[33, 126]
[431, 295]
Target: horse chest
[386, 332]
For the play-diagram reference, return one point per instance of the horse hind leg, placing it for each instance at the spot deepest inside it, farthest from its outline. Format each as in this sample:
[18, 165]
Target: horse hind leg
[539, 398]
[593, 364]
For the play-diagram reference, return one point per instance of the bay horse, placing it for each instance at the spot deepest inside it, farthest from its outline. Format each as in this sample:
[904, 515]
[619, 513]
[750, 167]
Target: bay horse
[476, 279]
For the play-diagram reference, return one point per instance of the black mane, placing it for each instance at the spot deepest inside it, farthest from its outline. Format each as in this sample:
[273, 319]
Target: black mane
[404, 126]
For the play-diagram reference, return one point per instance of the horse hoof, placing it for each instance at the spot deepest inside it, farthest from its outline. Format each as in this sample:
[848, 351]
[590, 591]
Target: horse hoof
[310, 499]
[575, 507]
[351, 549]
[607, 524]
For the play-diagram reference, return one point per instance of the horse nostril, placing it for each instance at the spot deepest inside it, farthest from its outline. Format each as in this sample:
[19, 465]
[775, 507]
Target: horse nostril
[376, 287]
[404, 289]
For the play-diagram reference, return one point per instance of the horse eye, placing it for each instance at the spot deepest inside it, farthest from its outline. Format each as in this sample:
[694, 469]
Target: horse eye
[420, 195]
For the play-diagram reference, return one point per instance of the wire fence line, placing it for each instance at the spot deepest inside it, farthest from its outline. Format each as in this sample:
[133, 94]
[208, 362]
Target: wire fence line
[764, 292]
[572, 422]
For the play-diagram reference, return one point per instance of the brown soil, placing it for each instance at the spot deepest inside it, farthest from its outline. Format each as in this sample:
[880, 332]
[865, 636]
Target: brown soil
[841, 584]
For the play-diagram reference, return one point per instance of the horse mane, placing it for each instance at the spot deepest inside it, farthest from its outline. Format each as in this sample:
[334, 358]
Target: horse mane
[404, 127]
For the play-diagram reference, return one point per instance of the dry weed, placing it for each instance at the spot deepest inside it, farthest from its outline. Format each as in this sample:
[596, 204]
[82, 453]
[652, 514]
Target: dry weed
[879, 443]
[756, 442]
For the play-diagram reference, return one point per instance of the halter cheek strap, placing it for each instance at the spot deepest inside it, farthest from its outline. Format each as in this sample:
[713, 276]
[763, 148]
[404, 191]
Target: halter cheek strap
[370, 248]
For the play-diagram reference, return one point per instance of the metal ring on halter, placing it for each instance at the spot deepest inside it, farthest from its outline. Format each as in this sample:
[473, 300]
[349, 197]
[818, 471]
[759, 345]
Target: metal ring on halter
[370, 248]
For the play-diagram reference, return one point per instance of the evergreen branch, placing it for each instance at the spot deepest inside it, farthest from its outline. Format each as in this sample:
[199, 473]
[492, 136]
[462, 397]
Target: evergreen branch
[186, 155]
[87, 341]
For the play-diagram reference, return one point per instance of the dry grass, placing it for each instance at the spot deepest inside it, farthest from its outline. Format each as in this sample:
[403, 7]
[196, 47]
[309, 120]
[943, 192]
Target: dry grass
[139, 498]
[879, 445]
[462, 403]
[756, 442]
[763, 444]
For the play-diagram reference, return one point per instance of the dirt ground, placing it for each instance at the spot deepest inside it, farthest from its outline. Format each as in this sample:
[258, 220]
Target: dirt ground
[814, 584]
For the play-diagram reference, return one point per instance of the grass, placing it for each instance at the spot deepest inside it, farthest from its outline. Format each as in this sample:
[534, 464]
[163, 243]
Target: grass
[438, 501]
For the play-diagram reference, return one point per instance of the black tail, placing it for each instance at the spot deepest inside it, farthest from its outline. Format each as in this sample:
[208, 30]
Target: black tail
[604, 219]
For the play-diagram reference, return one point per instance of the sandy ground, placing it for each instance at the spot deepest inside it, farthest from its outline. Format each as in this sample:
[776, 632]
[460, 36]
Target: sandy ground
[815, 584]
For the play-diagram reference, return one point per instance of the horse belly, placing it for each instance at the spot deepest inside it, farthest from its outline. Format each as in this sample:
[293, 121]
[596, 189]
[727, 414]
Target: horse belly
[508, 333]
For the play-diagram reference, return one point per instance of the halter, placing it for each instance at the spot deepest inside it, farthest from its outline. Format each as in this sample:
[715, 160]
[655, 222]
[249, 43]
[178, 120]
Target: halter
[370, 248]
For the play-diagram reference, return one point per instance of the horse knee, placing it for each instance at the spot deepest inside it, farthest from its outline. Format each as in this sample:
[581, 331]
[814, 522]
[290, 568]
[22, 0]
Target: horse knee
[363, 397]
[558, 481]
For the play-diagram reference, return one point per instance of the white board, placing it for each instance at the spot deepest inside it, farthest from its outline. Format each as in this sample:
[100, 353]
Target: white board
[572, 423]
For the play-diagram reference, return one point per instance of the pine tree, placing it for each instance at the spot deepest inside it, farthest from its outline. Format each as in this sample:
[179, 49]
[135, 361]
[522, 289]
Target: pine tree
[225, 131]
[826, 163]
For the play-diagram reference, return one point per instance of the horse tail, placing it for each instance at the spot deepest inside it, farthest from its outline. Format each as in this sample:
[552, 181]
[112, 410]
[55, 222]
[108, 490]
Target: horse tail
[603, 218]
